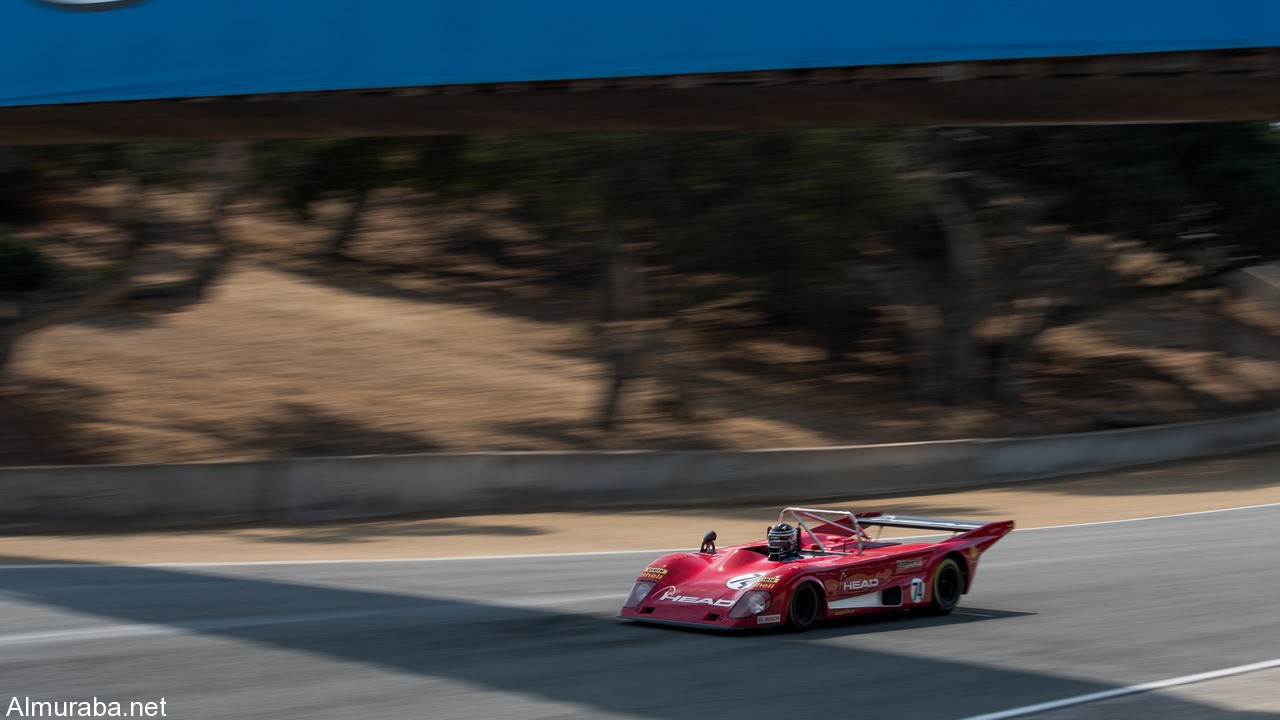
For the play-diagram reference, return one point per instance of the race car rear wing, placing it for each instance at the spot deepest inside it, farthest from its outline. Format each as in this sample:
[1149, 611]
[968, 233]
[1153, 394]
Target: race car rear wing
[843, 522]
[920, 523]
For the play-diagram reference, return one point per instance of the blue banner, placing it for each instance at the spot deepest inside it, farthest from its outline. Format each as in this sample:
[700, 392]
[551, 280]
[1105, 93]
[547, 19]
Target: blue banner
[67, 51]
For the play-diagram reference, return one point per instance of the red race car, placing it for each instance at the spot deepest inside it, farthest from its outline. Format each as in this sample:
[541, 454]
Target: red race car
[814, 565]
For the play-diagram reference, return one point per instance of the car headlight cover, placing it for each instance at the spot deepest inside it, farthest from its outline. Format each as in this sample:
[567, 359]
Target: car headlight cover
[639, 592]
[751, 603]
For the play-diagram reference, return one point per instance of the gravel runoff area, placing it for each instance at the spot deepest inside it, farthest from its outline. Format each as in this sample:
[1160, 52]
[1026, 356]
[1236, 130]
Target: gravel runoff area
[1208, 484]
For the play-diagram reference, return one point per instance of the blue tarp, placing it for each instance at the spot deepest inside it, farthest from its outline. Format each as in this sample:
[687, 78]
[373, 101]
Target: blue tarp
[185, 48]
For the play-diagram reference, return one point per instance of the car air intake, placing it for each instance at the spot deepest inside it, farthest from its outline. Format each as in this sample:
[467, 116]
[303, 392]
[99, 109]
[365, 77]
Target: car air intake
[891, 597]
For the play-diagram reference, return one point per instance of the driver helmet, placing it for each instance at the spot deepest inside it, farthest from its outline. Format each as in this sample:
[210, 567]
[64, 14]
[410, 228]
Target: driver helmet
[784, 541]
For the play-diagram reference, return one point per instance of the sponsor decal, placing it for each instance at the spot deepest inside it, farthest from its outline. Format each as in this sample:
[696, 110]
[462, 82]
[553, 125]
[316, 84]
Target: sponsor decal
[766, 619]
[910, 564]
[742, 582]
[88, 4]
[860, 583]
[652, 573]
[917, 590]
[672, 597]
[856, 584]
[766, 583]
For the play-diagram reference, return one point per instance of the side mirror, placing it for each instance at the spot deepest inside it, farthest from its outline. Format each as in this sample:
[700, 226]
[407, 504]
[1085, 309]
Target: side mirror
[709, 543]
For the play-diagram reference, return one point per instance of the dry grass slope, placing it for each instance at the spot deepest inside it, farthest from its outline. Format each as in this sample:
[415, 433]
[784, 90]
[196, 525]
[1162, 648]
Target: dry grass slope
[432, 343]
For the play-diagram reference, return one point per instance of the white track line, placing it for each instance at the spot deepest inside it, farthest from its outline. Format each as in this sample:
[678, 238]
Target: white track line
[183, 626]
[1152, 517]
[1130, 690]
[355, 561]
[180, 627]
[534, 556]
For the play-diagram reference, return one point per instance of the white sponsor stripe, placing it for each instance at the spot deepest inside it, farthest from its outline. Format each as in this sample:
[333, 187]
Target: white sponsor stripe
[869, 600]
[534, 556]
[1130, 690]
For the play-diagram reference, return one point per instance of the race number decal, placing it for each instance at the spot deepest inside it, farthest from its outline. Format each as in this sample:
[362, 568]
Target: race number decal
[917, 590]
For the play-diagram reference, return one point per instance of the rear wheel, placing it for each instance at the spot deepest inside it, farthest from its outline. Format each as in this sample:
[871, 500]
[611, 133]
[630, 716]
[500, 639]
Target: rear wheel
[804, 609]
[948, 584]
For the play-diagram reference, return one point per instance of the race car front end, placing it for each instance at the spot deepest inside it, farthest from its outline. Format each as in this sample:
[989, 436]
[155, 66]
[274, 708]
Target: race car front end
[702, 591]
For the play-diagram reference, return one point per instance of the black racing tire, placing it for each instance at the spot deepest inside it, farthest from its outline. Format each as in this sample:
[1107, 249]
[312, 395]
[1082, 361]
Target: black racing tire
[804, 609]
[946, 588]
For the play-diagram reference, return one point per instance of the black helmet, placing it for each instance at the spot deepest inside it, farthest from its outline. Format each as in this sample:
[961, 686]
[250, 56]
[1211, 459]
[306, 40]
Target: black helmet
[784, 541]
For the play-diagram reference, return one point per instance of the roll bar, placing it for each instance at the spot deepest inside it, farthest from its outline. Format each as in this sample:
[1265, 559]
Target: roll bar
[854, 522]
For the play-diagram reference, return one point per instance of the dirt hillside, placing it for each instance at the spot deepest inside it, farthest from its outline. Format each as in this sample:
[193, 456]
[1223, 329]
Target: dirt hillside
[427, 344]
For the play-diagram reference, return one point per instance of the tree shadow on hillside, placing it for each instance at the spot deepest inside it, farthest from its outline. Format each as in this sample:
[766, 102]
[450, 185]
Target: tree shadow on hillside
[343, 533]
[1092, 394]
[304, 430]
[119, 318]
[767, 514]
[1242, 329]
[45, 421]
[464, 288]
[1075, 394]
[585, 435]
[1108, 379]
[27, 560]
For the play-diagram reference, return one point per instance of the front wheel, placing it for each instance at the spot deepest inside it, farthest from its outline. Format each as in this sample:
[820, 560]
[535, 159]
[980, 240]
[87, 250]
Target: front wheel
[804, 609]
[948, 584]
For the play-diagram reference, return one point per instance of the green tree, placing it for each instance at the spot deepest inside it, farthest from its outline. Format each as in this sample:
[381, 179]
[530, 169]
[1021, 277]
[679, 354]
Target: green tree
[36, 292]
[303, 173]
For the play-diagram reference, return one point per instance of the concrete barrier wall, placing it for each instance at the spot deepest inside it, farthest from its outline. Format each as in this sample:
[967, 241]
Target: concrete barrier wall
[1038, 457]
[214, 492]
[327, 488]
[372, 486]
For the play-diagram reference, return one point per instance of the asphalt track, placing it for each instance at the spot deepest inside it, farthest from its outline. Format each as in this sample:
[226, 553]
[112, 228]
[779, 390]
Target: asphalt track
[1056, 613]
